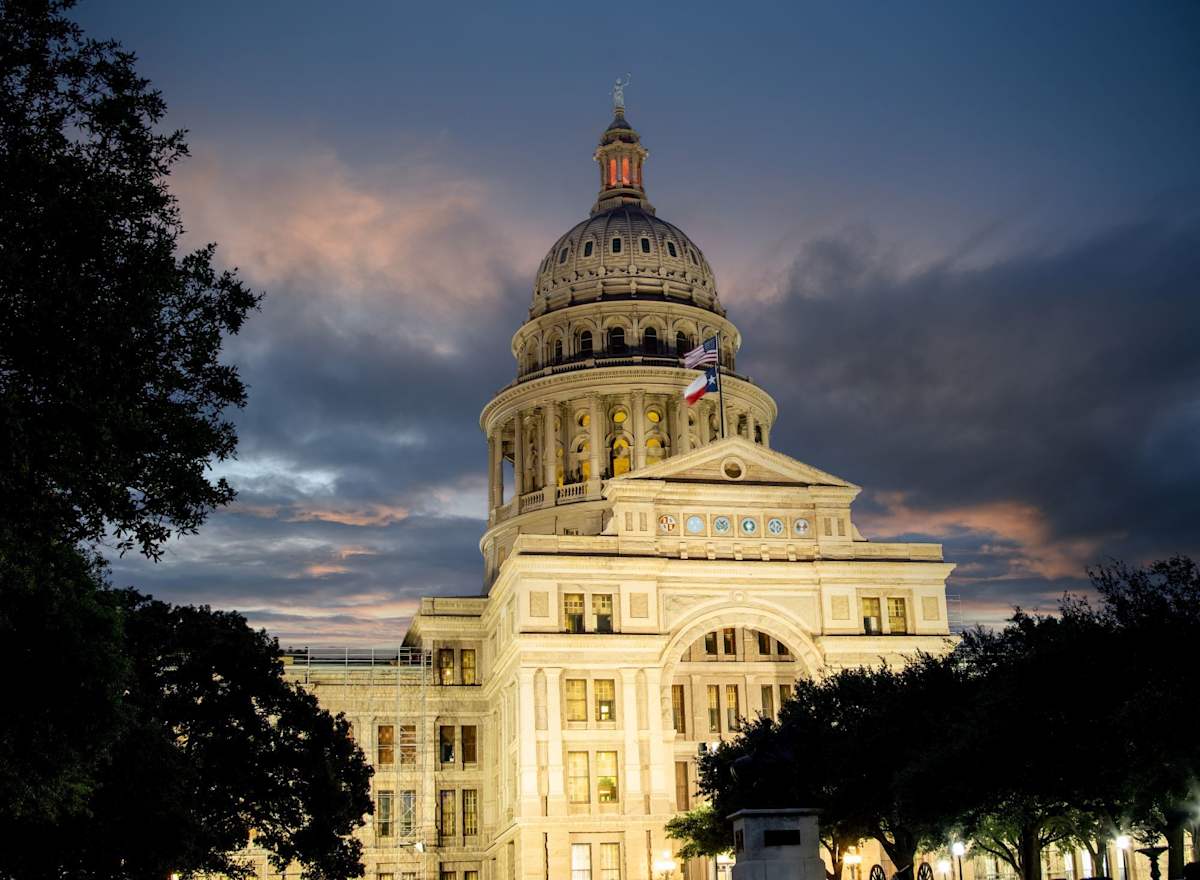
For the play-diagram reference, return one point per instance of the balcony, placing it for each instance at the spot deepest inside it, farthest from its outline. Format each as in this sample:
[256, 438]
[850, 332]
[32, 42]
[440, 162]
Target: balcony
[539, 499]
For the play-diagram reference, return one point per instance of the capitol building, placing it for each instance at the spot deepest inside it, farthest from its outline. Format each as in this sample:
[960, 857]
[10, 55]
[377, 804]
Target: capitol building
[654, 572]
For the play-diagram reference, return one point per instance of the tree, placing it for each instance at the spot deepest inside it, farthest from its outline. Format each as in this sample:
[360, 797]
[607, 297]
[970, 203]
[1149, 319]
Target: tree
[702, 831]
[217, 745]
[113, 399]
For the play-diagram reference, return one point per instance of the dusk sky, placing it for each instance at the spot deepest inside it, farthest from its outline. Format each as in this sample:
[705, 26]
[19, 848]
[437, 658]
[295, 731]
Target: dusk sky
[961, 242]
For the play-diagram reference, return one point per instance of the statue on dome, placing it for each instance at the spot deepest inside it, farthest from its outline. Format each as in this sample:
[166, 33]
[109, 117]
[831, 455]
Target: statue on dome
[618, 93]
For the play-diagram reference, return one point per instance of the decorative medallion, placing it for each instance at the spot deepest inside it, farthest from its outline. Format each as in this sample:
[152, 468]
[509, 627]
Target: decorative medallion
[695, 525]
[722, 525]
[775, 526]
[666, 524]
[749, 525]
[800, 527]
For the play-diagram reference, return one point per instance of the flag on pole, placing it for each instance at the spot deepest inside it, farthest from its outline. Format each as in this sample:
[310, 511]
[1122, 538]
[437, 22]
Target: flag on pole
[704, 354]
[701, 385]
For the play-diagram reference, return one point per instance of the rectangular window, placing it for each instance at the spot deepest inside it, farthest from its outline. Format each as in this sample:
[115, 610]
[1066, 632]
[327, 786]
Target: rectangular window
[382, 875]
[468, 666]
[897, 615]
[610, 861]
[446, 812]
[606, 699]
[470, 750]
[616, 245]
[573, 612]
[785, 691]
[710, 644]
[470, 799]
[445, 666]
[678, 708]
[768, 701]
[383, 814]
[446, 744]
[385, 744]
[782, 649]
[732, 707]
[408, 875]
[578, 784]
[407, 817]
[714, 709]
[681, 786]
[470, 875]
[872, 619]
[606, 777]
[581, 861]
[576, 699]
[447, 874]
[764, 644]
[408, 744]
[602, 607]
[645, 245]
[729, 641]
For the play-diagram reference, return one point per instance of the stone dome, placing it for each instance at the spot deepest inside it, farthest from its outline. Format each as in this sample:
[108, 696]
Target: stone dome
[625, 251]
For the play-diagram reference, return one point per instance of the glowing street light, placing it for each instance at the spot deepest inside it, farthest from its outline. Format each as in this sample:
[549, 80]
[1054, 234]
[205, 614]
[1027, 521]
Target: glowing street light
[959, 849]
[944, 868]
[664, 865]
[1123, 844]
[853, 860]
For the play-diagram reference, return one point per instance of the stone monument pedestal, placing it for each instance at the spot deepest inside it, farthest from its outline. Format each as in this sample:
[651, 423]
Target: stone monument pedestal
[777, 845]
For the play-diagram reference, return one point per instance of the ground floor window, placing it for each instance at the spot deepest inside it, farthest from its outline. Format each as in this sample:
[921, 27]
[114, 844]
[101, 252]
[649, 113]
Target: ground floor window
[581, 861]
[610, 861]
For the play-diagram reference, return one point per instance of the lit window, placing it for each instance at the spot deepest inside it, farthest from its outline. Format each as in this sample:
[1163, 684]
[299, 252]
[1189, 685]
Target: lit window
[587, 249]
[385, 744]
[470, 804]
[681, 786]
[610, 861]
[764, 644]
[714, 709]
[602, 607]
[573, 612]
[408, 811]
[624, 169]
[897, 616]
[383, 814]
[445, 665]
[408, 744]
[562, 256]
[447, 874]
[729, 641]
[678, 709]
[446, 811]
[732, 707]
[872, 619]
[645, 245]
[581, 857]
[606, 699]
[446, 744]
[655, 416]
[612, 172]
[768, 700]
[606, 777]
[468, 663]
[616, 245]
[470, 750]
[470, 874]
[576, 699]
[577, 778]
[620, 416]
[671, 249]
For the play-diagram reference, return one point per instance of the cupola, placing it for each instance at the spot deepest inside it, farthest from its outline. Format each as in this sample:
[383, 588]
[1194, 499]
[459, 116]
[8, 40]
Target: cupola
[621, 157]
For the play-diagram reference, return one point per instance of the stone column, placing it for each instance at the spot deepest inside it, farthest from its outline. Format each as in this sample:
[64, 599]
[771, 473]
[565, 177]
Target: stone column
[684, 439]
[493, 501]
[702, 416]
[527, 772]
[750, 421]
[596, 429]
[549, 451]
[518, 457]
[632, 796]
[638, 405]
[557, 800]
[766, 429]
[661, 786]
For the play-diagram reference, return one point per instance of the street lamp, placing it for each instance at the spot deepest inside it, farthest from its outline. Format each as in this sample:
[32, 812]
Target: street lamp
[944, 868]
[959, 849]
[664, 866]
[853, 860]
[1123, 844]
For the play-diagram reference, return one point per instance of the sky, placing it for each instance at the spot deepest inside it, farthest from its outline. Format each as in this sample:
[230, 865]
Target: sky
[961, 242]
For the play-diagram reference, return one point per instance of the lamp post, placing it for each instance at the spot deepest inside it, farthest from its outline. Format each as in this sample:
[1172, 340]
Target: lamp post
[664, 866]
[959, 849]
[853, 860]
[1123, 846]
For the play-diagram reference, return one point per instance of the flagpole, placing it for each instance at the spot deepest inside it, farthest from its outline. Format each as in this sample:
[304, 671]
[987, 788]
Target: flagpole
[720, 386]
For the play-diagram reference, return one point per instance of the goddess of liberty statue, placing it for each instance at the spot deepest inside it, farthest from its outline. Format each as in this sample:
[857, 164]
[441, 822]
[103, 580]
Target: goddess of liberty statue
[618, 93]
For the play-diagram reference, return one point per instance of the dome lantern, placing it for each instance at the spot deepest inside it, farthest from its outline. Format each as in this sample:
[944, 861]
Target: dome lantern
[621, 156]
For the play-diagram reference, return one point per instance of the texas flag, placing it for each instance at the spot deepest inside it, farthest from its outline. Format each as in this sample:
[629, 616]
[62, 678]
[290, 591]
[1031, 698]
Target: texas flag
[701, 385]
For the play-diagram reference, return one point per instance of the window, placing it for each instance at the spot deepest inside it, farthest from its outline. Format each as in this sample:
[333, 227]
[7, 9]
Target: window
[445, 666]
[650, 341]
[897, 615]
[470, 875]
[383, 814]
[681, 786]
[610, 861]
[562, 256]
[714, 709]
[678, 708]
[785, 691]
[585, 342]
[616, 340]
[446, 812]
[573, 612]
[446, 744]
[681, 343]
[768, 701]
[732, 707]
[671, 249]
[577, 778]
[408, 744]
[558, 351]
[447, 874]
[729, 641]
[470, 799]
[384, 875]
[385, 744]
[581, 861]
[710, 644]
[872, 625]
[645, 245]
[606, 699]
[692, 254]
[764, 644]
[782, 649]
[576, 699]
[612, 172]
[408, 811]
[606, 777]
[468, 655]
[616, 245]
[587, 249]
[602, 607]
[470, 752]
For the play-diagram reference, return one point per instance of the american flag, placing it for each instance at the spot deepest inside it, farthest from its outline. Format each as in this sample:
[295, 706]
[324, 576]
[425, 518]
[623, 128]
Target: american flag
[704, 354]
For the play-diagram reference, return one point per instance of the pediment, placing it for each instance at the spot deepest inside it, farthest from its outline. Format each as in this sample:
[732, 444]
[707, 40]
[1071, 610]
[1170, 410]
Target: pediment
[715, 462]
